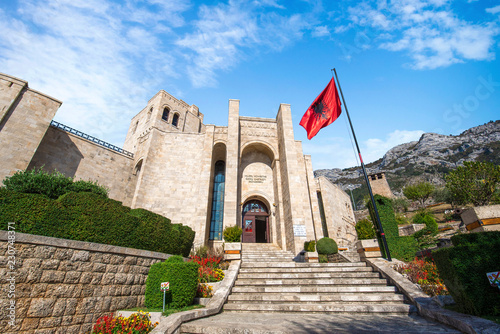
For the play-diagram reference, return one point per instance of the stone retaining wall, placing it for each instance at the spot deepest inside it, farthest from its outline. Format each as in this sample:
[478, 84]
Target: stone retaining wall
[63, 286]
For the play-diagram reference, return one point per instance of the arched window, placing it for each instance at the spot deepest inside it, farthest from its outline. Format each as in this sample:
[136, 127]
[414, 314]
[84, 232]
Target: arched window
[175, 120]
[149, 114]
[216, 218]
[164, 116]
[254, 206]
[138, 167]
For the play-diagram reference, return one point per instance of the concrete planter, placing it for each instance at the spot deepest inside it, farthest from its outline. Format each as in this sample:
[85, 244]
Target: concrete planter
[232, 251]
[311, 257]
[368, 248]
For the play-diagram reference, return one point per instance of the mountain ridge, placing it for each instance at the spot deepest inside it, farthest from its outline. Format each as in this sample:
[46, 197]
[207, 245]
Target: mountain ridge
[427, 159]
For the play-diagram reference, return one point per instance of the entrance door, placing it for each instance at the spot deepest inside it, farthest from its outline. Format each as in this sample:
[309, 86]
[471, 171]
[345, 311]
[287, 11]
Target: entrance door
[248, 229]
[261, 229]
[255, 222]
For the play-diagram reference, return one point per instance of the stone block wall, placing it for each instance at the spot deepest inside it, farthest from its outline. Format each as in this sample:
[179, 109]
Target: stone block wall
[25, 116]
[64, 286]
[84, 160]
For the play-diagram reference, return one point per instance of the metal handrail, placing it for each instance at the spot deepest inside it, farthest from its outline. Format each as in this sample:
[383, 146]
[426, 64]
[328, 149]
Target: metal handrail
[91, 138]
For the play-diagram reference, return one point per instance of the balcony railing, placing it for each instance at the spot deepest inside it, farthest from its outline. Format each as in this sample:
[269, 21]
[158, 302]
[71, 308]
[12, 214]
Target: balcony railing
[91, 138]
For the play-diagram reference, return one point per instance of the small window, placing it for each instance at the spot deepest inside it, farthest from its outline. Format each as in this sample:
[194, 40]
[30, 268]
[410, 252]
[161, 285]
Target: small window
[135, 127]
[149, 114]
[175, 120]
[166, 111]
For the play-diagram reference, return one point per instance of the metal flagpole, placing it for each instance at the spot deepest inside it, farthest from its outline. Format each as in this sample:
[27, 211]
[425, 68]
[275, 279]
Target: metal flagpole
[379, 224]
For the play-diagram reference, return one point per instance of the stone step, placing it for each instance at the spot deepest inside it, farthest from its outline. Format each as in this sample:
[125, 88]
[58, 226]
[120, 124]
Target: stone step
[308, 275]
[323, 308]
[331, 281]
[313, 289]
[301, 265]
[306, 270]
[388, 297]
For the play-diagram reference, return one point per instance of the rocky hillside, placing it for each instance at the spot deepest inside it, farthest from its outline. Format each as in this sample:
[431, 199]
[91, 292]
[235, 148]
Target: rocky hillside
[429, 159]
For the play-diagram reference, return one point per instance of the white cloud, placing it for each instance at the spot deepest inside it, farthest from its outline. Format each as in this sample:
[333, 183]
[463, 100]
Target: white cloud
[493, 10]
[429, 31]
[321, 31]
[227, 33]
[87, 54]
[338, 152]
[375, 148]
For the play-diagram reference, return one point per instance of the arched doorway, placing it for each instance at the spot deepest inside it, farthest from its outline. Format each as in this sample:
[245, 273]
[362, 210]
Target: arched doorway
[255, 222]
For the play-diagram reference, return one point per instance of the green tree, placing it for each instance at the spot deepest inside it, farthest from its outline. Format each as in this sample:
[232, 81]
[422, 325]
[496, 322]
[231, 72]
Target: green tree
[475, 182]
[419, 192]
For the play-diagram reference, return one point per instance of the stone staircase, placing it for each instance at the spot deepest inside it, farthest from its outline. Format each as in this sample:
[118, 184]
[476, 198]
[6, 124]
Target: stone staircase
[270, 281]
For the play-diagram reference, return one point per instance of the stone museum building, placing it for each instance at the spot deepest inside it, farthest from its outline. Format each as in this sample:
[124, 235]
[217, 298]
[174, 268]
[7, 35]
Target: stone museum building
[251, 172]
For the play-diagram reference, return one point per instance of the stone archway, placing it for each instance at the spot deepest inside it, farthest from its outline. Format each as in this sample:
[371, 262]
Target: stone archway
[255, 222]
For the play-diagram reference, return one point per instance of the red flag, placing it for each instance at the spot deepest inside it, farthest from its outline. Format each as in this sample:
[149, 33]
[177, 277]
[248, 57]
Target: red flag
[323, 111]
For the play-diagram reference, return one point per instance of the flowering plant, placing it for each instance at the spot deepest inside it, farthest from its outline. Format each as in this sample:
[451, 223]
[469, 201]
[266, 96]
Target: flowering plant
[207, 275]
[204, 291]
[137, 323]
[210, 262]
[425, 274]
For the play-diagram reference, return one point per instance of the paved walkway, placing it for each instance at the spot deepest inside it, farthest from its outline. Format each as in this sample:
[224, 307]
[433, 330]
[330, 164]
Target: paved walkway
[281, 323]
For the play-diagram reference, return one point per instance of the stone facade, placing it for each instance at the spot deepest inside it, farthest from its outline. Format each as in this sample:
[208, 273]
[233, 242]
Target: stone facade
[171, 170]
[379, 185]
[63, 286]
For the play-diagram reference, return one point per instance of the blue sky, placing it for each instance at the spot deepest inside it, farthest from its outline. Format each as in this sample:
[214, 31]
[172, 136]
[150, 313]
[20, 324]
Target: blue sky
[406, 67]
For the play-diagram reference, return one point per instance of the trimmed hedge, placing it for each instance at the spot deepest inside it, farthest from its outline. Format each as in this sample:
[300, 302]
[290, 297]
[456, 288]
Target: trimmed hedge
[52, 185]
[364, 229]
[89, 217]
[183, 279]
[463, 268]
[310, 246]
[327, 246]
[401, 248]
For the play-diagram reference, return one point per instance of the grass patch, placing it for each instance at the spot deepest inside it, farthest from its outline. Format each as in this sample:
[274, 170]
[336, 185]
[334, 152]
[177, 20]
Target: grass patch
[167, 312]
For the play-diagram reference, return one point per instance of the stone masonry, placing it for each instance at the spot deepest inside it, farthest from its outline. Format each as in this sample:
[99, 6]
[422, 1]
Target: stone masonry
[63, 286]
[169, 167]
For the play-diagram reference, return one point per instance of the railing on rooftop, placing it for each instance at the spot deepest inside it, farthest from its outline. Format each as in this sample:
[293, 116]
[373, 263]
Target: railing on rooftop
[91, 138]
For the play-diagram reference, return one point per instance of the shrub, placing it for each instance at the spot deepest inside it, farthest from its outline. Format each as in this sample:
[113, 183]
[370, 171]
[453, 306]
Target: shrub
[183, 279]
[463, 268]
[86, 217]
[364, 229]
[402, 248]
[310, 246]
[201, 251]
[232, 233]
[52, 185]
[327, 246]
[322, 258]
[175, 259]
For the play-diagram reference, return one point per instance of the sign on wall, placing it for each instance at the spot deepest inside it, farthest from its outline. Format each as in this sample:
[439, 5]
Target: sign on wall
[299, 230]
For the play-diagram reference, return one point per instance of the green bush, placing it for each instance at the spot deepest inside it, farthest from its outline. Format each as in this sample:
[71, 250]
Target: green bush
[322, 258]
[52, 185]
[401, 248]
[183, 281]
[327, 246]
[175, 259]
[86, 217]
[463, 268]
[427, 218]
[232, 233]
[310, 246]
[365, 230]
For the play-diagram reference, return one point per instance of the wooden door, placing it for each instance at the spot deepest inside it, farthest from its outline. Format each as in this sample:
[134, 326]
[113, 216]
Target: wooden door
[248, 229]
